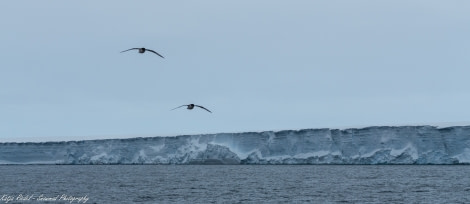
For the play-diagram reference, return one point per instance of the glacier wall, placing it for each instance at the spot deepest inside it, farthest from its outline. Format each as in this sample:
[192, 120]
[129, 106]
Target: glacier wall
[370, 145]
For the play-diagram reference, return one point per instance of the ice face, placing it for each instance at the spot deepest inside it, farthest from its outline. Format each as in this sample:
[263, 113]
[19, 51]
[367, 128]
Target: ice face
[370, 145]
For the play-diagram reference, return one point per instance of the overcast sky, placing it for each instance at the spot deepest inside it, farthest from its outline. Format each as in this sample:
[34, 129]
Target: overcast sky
[257, 65]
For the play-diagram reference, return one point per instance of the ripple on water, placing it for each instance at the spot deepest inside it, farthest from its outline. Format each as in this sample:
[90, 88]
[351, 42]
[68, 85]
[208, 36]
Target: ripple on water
[243, 183]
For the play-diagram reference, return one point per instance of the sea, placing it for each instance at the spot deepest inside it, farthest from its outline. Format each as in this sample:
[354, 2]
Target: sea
[234, 184]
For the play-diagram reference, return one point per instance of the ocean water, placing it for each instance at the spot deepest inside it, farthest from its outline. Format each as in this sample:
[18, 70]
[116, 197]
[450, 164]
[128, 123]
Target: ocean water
[235, 183]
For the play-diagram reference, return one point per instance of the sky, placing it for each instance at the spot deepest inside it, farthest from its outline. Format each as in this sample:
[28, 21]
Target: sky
[257, 65]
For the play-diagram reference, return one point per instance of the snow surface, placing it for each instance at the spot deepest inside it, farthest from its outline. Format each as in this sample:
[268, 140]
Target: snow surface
[369, 145]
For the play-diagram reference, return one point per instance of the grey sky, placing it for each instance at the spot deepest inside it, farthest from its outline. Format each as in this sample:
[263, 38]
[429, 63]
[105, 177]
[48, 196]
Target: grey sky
[258, 65]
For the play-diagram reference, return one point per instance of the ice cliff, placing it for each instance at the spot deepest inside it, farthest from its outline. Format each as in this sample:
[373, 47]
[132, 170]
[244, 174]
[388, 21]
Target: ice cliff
[370, 145]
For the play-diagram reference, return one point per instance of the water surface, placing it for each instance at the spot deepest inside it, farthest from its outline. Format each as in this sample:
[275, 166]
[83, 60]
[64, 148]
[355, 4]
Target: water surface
[236, 183]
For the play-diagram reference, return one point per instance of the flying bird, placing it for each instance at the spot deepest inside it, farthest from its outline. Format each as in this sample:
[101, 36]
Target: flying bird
[191, 106]
[142, 50]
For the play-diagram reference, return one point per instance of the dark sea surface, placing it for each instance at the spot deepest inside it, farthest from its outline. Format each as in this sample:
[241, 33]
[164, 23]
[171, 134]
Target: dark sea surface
[235, 184]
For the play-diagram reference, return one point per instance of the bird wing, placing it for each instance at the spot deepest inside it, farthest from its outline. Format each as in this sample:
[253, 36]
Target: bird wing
[130, 49]
[155, 53]
[203, 108]
[179, 107]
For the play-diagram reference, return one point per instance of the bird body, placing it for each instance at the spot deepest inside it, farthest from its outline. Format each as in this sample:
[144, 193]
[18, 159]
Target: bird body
[191, 106]
[142, 51]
